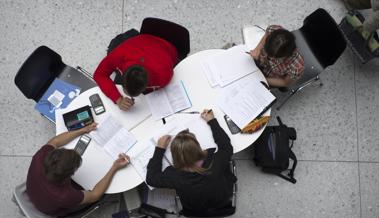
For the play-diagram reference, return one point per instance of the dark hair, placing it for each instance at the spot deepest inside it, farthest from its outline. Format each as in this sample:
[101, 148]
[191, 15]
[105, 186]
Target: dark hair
[60, 164]
[280, 43]
[134, 80]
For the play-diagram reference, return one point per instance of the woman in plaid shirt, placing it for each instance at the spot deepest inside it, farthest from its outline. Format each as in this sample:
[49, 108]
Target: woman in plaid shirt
[277, 57]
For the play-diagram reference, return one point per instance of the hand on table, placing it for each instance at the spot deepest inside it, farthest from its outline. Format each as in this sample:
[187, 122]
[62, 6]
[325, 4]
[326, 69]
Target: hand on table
[124, 103]
[164, 141]
[122, 161]
[89, 128]
[207, 115]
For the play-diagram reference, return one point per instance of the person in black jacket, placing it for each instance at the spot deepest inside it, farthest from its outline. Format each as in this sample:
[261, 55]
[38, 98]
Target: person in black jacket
[202, 179]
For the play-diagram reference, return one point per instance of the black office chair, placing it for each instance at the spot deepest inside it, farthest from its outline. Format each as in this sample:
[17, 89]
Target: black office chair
[42, 67]
[169, 31]
[228, 210]
[321, 43]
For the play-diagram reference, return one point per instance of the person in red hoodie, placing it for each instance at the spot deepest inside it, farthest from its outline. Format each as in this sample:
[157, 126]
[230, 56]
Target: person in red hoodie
[145, 63]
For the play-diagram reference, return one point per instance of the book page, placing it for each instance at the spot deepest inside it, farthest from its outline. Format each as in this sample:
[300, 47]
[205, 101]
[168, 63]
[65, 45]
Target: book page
[244, 101]
[120, 143]
[231, 65]
[167, 101]
[105, 131]
[177, 96]
[113, 138]
[141, 160]
[159, 104]
[252, 35]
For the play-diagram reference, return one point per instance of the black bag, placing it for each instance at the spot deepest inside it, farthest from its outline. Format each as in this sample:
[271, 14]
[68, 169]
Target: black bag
[120, 38]
[272, 151]
[152, 211]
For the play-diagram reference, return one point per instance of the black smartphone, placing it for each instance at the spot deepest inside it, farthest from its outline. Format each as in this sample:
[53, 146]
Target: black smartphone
[82, 144]
[97, 104]
[234, 129]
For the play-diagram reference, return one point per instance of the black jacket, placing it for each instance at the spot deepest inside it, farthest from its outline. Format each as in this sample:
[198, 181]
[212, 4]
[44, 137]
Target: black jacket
[198, 192]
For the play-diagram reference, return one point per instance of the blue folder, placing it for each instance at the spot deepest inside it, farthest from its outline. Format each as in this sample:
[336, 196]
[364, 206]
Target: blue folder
[58, 95]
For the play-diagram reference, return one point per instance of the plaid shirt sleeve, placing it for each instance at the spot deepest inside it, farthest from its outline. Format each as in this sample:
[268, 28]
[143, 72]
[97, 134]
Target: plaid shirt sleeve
[296, 68]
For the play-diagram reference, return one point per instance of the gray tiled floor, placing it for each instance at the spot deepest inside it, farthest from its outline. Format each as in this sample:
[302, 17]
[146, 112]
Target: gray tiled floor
[338, 144]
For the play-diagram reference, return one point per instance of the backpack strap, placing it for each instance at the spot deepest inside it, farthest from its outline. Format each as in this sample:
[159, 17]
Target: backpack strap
[279, 121]
[293, 157]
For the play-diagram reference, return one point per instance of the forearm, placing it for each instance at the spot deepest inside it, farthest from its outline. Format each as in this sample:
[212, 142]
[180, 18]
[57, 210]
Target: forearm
[154, 176]
[220, 137]
[64, 138]
[102, 185]
[278, 82]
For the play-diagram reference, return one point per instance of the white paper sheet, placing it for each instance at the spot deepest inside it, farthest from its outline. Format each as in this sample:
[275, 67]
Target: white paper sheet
[167, 101]
[141, 160]
[245, 100]
[229, 66]
[113, 138]
[252, 35]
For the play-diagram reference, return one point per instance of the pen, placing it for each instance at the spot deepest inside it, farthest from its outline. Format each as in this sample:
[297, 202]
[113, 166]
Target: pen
[188, 112]
[247, 52]
[209, 111]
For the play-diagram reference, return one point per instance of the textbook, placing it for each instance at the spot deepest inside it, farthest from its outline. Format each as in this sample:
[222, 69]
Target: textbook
[58, 95]
[113, 137]
[169, 100]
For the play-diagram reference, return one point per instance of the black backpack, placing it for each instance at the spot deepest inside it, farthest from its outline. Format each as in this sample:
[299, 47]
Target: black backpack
[273, 150]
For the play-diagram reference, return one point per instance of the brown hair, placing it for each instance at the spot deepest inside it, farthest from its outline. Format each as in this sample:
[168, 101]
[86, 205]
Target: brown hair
[60, 164]
[280, 43]
[186, 151]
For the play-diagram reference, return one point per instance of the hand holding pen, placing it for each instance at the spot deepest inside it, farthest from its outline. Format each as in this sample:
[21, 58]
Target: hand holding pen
[207, 115]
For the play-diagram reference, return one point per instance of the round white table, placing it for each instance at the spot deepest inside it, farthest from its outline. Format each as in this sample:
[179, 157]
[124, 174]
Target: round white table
[203, 96]
[96, 162]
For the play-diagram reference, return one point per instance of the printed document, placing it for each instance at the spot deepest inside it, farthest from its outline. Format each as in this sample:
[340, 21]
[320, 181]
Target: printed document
[140, 160]
[169, 100]
[245, 100]
[113, 137]
[229, 66]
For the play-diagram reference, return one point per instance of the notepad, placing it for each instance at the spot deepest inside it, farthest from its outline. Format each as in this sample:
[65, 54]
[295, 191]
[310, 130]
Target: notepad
[228, 66]
[58, 95]
[169, 100]
[245, 100]
[113, 137]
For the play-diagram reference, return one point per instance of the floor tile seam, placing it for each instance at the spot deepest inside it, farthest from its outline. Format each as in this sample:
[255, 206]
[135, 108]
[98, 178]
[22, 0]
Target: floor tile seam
[122, 16]
[12, 155]
[326, 161]
[357, 133]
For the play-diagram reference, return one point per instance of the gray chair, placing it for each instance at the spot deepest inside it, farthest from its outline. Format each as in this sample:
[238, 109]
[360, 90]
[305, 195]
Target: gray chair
[222, 212]
[320, 42]
[21, 198]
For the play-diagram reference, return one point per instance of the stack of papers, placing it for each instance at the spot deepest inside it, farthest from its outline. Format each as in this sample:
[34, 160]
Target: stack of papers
[169, 100]
[229, 66]
[58, 95]
[245, 100]
[113, 138]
